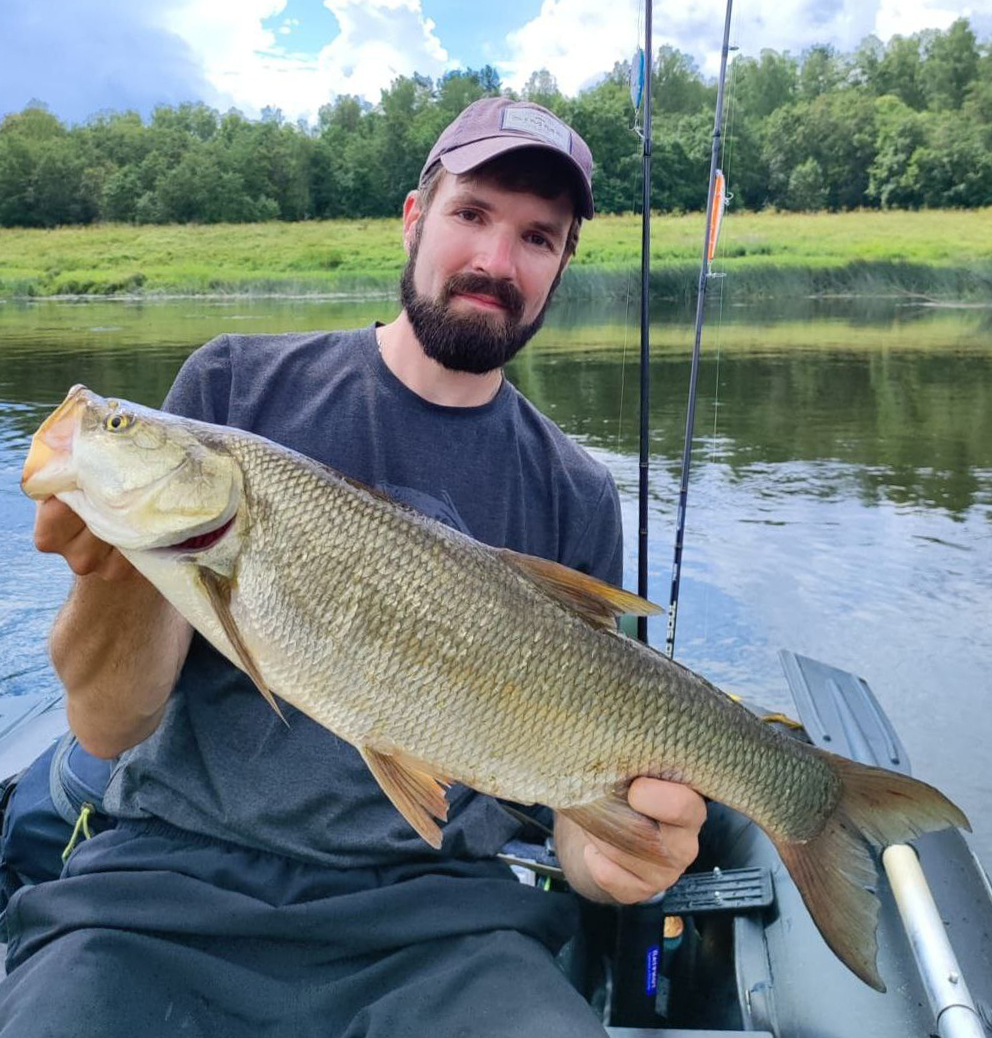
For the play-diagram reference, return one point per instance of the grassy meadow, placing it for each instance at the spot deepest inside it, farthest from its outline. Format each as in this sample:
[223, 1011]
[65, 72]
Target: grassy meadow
[943, 253]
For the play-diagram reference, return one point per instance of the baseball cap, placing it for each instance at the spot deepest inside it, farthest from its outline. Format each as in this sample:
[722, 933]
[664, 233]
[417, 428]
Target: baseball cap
[495, 125]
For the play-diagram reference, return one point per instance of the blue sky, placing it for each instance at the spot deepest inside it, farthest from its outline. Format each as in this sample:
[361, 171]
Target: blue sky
[83, 56]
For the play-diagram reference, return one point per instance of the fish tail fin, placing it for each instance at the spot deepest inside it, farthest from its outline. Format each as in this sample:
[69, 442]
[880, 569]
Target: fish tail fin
[836, 871]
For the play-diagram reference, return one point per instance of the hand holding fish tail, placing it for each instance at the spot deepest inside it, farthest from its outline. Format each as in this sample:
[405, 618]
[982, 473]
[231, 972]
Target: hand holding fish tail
[601, 872]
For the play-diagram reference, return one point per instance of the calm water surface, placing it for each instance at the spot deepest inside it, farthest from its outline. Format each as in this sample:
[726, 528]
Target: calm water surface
[840, 505]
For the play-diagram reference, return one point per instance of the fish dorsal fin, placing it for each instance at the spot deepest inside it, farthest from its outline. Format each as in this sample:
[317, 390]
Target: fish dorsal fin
[218, 590]
[416, 793]
[593, 599]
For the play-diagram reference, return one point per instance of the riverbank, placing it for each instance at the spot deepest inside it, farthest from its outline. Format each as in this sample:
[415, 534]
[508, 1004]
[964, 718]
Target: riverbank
[946, 255]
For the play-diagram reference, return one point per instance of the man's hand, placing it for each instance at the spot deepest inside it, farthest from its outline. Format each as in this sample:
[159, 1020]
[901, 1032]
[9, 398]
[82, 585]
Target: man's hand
[602, 873]
[58, 530]
[117, 644]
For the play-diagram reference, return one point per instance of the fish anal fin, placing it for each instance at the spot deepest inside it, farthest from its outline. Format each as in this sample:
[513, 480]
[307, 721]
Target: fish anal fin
[416, 793]
[595, 600]
[615, 822]
[218, 591]
[836, 870]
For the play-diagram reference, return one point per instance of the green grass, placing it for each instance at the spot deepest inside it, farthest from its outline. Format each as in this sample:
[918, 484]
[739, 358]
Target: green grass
[947, 254]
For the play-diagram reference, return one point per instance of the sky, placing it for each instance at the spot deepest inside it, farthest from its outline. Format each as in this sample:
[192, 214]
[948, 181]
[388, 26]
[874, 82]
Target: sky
[80, 57]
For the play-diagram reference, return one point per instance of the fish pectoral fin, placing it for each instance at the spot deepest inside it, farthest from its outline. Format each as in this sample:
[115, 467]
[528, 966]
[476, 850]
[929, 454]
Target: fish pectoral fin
[218, 591]
[615, 822]
[595, 600]
[417, 794]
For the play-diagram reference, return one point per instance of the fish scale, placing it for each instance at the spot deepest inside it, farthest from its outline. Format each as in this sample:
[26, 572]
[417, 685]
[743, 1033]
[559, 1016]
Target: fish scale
[442, 659]
[420, 581]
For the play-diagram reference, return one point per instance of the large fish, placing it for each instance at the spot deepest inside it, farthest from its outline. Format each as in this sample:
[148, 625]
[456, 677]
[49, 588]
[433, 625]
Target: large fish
[442, 659]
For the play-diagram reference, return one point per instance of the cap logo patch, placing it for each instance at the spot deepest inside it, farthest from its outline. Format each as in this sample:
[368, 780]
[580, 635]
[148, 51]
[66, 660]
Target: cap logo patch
[538, 124]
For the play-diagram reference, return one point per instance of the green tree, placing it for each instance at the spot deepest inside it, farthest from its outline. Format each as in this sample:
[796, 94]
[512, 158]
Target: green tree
[866, 64]
[951, 66]
[822, 71]
[604, 117]
[761, 87]
[542, 89]
[121, 194]
[806, 191]
[676, 85]
[955, 167]
[900, 72]
[892, 177]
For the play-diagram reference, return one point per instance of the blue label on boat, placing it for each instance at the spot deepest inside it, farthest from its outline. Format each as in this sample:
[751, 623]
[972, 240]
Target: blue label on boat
[651, 970]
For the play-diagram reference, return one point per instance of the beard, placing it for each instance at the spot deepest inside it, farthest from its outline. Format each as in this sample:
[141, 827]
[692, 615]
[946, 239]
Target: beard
[475, 342]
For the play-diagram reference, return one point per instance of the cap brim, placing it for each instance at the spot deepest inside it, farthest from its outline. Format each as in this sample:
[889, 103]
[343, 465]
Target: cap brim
[471, 156]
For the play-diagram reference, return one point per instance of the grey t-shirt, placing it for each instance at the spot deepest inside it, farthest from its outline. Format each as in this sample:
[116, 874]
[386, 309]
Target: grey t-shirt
[221, 763]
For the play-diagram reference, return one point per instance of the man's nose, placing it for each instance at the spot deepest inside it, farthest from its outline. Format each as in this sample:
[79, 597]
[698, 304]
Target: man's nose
[496, 255]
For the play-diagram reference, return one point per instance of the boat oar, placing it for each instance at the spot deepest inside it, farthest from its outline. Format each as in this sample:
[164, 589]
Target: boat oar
[840, 713]
[950, 1000]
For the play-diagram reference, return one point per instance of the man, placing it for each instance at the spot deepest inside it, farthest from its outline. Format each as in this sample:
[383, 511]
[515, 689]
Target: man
[257, 881]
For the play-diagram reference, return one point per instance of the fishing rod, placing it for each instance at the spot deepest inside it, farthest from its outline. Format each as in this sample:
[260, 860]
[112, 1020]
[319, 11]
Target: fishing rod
[643, 465]
[715, 201]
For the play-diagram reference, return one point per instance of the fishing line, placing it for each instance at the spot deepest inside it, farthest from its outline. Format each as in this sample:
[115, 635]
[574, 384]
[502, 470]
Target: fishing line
[726, 164]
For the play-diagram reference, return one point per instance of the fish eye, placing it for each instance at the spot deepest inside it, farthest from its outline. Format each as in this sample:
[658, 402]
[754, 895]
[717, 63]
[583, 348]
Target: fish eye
[118, 421]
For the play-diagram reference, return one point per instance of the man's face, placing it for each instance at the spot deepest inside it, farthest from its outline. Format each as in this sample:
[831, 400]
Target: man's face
[483, 264]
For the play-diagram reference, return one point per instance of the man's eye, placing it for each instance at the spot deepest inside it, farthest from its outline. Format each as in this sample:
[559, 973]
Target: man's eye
[540, 241]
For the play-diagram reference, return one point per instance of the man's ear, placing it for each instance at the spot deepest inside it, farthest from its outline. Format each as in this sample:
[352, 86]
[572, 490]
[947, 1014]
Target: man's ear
[411, 215]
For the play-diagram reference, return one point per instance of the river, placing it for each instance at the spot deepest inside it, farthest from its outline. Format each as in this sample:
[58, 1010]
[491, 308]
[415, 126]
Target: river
[840, 503]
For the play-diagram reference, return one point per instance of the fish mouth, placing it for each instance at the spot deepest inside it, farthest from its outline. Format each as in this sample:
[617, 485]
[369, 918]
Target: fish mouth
[202, 541]
[48, 469]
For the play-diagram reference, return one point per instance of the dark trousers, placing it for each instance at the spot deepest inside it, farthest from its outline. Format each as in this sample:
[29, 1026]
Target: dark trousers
[154, 932]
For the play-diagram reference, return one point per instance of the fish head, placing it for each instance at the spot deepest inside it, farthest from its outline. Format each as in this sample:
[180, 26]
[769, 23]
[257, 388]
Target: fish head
[140, 479]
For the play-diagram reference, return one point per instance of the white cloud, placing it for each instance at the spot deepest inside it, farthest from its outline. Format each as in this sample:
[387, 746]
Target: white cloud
[904, 17]
[578, 41]
[376, 41]
[575, 40]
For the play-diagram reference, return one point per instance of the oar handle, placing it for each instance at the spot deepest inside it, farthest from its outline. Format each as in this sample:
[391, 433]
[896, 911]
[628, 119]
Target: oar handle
[953, 1008]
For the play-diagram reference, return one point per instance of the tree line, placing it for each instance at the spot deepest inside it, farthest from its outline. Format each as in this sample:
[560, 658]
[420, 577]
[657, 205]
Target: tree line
[906, 124]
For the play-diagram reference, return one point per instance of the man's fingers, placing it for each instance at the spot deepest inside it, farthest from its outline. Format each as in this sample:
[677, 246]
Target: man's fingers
[620, 883]
[677, 850]
[670, 803]
[55, 525]
[58, 530]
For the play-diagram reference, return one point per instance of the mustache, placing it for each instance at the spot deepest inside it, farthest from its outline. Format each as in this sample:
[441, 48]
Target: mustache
[506, 294]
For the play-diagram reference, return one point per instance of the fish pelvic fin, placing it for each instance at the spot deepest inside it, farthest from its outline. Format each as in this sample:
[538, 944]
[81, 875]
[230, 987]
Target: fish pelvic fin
[612, 820]
[595, 600]
[218, 591]
[415, 792]
[836, 871]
